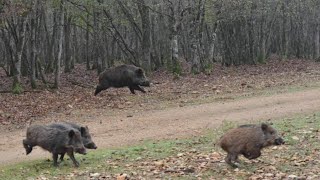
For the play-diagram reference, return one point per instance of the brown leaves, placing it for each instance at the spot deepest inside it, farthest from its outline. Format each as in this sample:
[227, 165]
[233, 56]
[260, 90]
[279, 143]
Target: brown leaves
[122, 177]
[181, 164]
[76, 91]
[198, 159]
[276, 163]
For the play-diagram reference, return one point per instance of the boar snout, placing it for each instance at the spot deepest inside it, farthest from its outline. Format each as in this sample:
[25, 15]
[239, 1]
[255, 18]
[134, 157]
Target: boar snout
[81, 151]
[91, 146]
[279, 141]
[145, 83]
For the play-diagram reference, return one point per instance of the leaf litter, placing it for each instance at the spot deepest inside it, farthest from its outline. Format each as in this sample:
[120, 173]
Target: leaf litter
[200, 159]
[76, 91]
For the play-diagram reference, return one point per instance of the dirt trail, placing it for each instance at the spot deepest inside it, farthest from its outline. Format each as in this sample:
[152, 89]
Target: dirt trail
[111, 131]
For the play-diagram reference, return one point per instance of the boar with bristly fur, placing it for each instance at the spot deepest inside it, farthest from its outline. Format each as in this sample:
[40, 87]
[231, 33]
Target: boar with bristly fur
[84, 130]
[55, 141]
[248, 140]
[123, 76]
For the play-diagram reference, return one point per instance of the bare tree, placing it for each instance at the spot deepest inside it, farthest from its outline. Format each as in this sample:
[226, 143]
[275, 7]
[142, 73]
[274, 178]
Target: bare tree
[41, 37]
[146, 34]
[58, 61]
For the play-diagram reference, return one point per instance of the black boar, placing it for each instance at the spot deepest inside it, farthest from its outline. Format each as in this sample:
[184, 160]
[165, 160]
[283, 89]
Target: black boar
[248, 140]
[85, 135]
[122, 76]
[55, 141]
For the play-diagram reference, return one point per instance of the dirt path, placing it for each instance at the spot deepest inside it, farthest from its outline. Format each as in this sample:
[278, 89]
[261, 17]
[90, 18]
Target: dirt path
[111, 131]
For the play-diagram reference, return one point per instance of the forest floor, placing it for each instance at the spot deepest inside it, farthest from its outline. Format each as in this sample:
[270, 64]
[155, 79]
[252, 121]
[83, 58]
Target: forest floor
[173, 107]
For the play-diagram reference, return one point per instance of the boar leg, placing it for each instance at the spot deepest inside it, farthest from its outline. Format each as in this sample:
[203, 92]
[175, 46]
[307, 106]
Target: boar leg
[55, 159]
[27, 146]
[99, 89]
[228, 159]
[137, 87]
[62, 156]
[132, 89]
[231, 157]
[253, 154]
[71, 155]
[237, 159]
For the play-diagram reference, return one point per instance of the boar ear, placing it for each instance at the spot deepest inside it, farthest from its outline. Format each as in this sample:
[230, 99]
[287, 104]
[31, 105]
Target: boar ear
[264, 126]
[82, 130]
[139, 71]
[71, 133]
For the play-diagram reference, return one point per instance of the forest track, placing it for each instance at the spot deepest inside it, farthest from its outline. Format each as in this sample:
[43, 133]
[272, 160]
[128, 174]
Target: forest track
[119, 130]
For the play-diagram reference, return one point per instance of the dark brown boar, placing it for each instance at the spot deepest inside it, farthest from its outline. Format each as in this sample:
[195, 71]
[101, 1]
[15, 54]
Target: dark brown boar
[84, 130]
[122, 76]
[55, 141]
[248, 140]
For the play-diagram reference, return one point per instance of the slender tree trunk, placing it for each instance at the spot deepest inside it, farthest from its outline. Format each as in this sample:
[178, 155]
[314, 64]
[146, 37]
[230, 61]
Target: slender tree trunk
[58, 62]
[146, 35]
[34, 37]
[175, 52]
[174, 43]
[195, 45]
[316, 42]
[33, 53]
[87, 43]
[17, 87]
[41, 71]
[96, 55]
[76, 48]
[51, 41]
[285, 34]
[67, 53]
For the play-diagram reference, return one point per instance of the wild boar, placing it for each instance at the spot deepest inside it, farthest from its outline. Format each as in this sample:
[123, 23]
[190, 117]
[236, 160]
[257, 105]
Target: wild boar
[55, 141]
[248, 140]
[123, 76]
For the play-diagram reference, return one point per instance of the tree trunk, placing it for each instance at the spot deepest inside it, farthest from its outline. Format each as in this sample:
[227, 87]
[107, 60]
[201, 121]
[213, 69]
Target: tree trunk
[316, 42]
[146, 35]
[33, 54]
[17, 87]
[174, 22]
[196, 36]
[87, 43]
[58, 62]
[175, 54]
[34, 36]
[67, 32]
[51, 41]
[285, 35]
[40, 69]
[96, 42]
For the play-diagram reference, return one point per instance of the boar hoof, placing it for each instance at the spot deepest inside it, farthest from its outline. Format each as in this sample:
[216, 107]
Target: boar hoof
[76, 164]
[233, 165]
[28, 150]
[55, 164]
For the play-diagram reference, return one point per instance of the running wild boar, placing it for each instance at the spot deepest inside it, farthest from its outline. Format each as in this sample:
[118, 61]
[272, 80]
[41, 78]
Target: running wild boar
[84, 130]
[123, 76]
[55, 141]
[248, 140]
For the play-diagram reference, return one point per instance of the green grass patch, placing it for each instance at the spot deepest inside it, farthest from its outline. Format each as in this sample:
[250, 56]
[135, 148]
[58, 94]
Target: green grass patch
[17, 88]
[190, 158]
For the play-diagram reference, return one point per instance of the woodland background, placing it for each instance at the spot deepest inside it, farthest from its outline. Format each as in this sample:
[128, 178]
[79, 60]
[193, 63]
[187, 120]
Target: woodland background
[38, 38]
[194, 52]
[51, 52]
